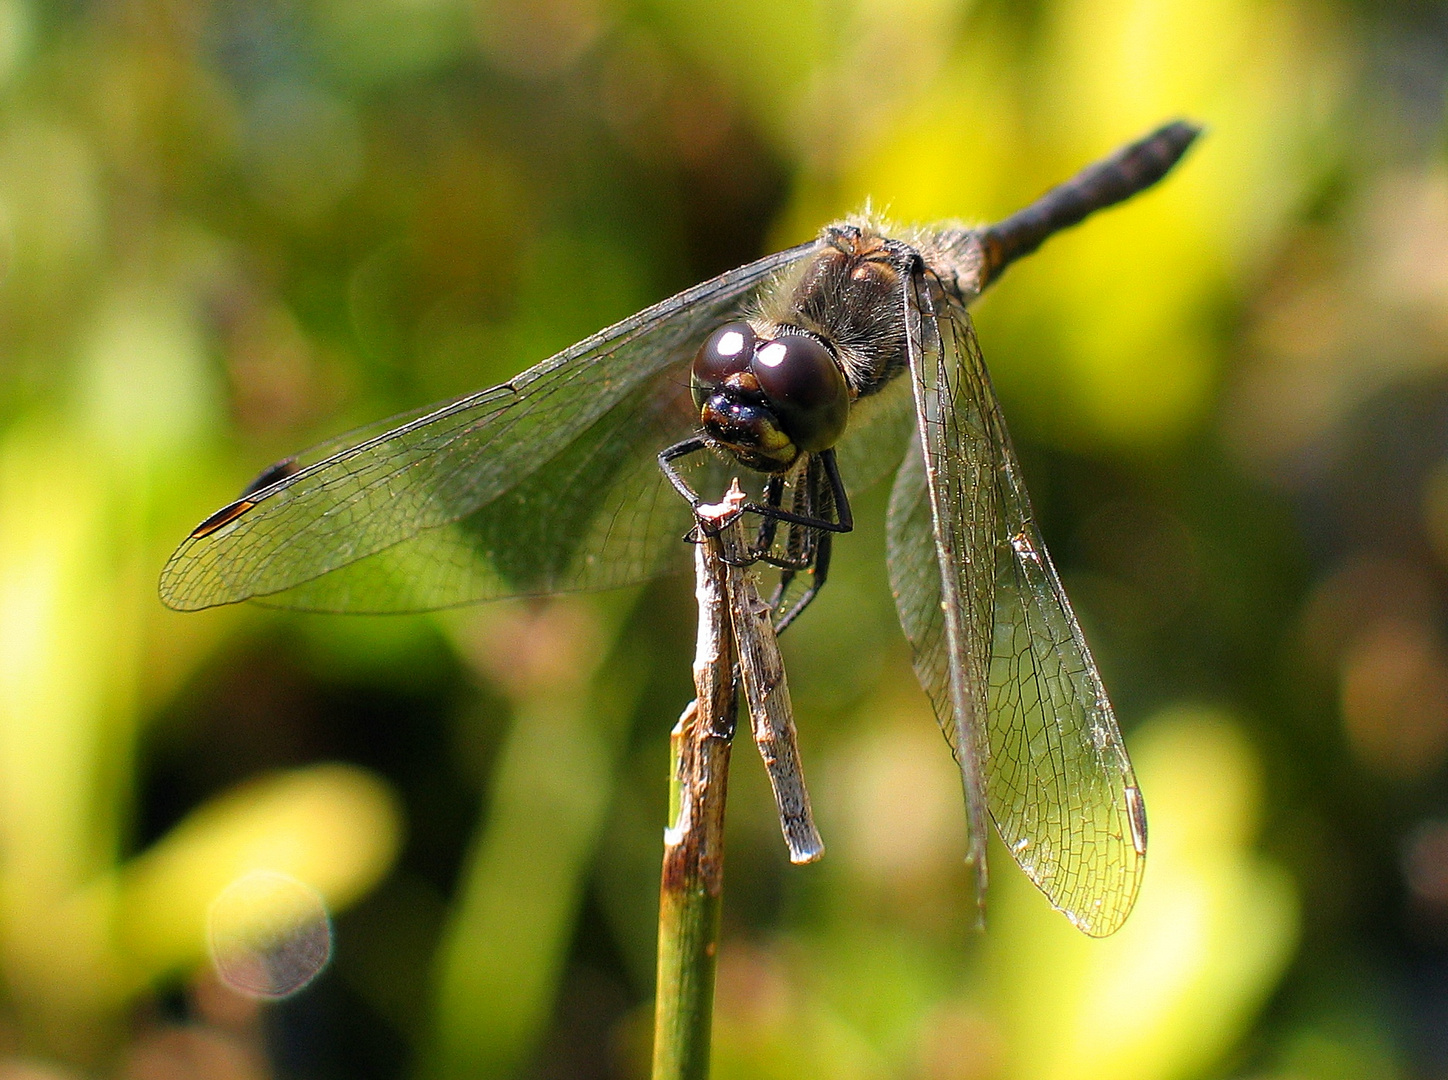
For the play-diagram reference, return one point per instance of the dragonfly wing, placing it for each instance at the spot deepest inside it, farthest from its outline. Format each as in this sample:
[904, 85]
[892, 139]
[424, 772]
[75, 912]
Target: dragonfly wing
[942, 516]
[881, 426]
[546, 482]
[1060, 785]
[598, 515]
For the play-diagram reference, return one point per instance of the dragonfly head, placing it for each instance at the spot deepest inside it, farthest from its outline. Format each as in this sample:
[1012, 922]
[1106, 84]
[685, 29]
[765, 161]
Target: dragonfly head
[769, 400]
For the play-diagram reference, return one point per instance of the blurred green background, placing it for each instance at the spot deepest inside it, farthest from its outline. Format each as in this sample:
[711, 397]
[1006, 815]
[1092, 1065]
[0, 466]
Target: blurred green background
[231, 228]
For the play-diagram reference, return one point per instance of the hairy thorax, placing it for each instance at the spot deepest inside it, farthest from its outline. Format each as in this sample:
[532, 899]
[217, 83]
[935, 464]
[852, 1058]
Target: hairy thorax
[852, 293]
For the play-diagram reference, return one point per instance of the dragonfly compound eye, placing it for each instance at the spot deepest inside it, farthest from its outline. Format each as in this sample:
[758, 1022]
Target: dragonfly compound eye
[805, 388]
[727, 352]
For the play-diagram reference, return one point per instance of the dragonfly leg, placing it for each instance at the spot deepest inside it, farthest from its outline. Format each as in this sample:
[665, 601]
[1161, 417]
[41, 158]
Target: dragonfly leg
[669, 455]
[843, 521]
[768, 526]
[810, 541]
[843, 514]
[820, 571]
[799, 547]
[810, 549]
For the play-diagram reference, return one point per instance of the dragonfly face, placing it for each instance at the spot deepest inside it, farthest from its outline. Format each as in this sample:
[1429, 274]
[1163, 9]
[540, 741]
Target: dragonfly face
[767, 400]
[834, 362]
[775, 391]
[782, 383]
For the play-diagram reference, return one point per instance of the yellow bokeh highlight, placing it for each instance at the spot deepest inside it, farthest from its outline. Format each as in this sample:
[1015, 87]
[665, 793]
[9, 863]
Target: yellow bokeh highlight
[1212, 931]
[1121, 312]
[335, 827]
[1135, 292]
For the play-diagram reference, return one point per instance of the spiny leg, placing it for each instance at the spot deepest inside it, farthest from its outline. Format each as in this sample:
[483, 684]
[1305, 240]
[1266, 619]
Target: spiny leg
[768, 526]
[831, 497]
[818, 574]
[669, 455]
[693, 445]
[799, 539]
[818, 496]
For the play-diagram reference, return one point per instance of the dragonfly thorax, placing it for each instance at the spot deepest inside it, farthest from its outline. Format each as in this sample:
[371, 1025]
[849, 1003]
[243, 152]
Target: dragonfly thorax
[769, 400]
[851, 295]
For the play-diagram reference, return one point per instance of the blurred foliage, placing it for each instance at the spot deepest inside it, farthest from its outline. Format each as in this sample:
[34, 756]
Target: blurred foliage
[230, 229]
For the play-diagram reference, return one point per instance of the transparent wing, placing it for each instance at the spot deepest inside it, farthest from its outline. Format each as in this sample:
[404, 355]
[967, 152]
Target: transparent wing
[881, 426]
[940, 525]
[545, 483]
[597, 515]
[1059, 785]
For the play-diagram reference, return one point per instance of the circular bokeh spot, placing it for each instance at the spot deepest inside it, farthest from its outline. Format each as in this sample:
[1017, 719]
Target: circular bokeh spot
[269, 934]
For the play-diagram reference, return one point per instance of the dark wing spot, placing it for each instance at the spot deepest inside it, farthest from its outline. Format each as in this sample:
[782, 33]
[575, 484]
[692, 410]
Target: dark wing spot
[270, 475]
[1136, 815]
[224, 516]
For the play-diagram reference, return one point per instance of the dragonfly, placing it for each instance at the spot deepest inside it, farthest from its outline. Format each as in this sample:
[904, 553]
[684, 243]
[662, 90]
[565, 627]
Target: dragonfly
[818, 370]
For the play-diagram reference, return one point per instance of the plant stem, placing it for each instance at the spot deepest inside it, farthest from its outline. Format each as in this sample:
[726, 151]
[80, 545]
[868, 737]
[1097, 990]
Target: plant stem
[691, 889]
[766, 690]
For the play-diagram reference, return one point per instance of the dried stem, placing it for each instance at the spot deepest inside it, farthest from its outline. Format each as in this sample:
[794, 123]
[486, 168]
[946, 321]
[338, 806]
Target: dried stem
[766, 691]
[691, 890]
[734, 626]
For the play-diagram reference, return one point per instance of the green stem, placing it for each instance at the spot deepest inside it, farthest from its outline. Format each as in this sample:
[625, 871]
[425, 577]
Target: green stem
[690, 901]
